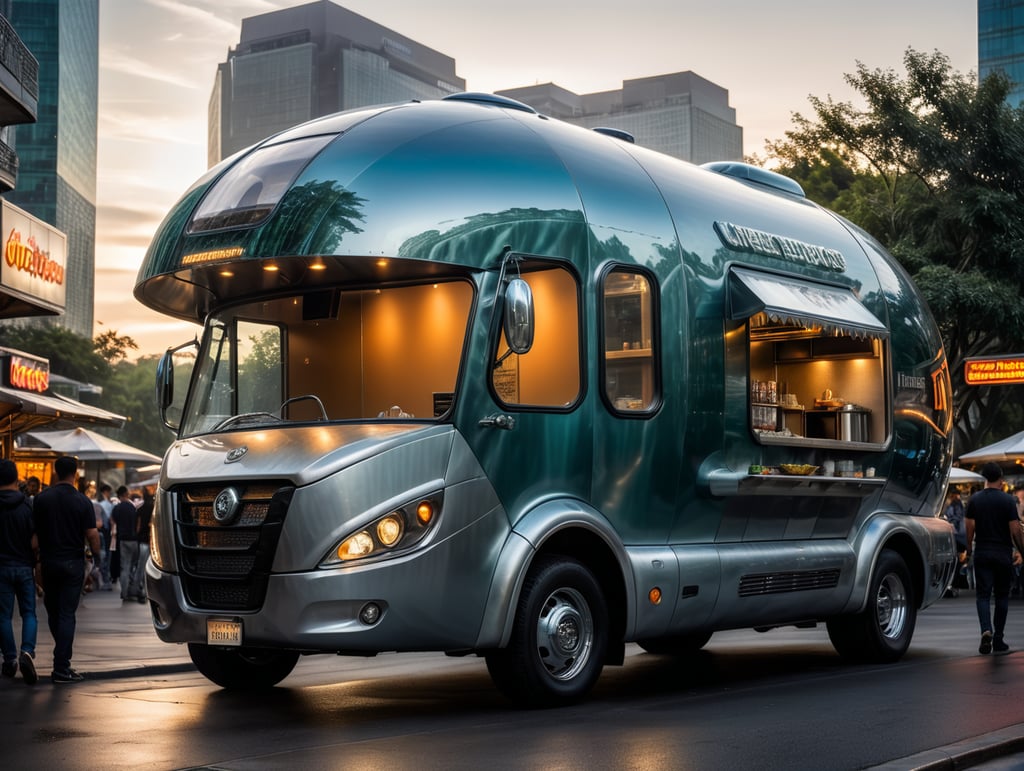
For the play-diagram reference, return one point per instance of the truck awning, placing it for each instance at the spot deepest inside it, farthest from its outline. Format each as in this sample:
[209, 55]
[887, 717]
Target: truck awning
[24, 410]
[791, 300]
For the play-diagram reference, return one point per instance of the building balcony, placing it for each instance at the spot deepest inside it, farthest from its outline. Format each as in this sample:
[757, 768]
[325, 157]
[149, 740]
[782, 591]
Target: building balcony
[19, 78]
[8, 168]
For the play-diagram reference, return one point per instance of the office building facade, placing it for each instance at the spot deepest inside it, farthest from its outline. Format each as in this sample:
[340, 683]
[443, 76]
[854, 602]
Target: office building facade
[301, 63]
[57, 154]
[1001, 43]
[679, 114]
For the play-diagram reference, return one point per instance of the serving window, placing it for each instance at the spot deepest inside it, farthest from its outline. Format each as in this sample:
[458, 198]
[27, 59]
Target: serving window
[816, 361]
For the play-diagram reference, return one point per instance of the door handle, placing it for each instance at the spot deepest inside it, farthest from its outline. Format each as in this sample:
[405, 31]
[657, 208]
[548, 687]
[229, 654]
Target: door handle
[506, 422]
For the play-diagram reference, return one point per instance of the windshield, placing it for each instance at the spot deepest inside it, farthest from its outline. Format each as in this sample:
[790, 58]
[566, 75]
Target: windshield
[333, 354]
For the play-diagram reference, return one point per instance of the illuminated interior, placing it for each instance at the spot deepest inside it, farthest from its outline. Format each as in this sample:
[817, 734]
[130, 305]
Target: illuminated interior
[810, 383]
[390, 352]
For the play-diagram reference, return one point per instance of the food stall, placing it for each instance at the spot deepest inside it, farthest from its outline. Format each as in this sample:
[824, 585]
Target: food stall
[26, 403]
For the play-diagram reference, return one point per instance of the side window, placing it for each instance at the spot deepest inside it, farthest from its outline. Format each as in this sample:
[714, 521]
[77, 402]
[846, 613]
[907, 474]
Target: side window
[549, 374]
[630, 340]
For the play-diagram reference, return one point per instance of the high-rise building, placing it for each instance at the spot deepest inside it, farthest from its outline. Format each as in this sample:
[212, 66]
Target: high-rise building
[680, 114]
[1001, 43]
[301, 63]
[57, 154]
[19, 94]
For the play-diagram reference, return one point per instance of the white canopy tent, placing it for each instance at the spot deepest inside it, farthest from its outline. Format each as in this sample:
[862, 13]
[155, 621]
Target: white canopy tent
[1005, 450]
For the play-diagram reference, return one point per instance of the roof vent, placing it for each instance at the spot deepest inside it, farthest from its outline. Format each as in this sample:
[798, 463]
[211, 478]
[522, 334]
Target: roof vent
[625, 136]
[497, 101]
[757, 175]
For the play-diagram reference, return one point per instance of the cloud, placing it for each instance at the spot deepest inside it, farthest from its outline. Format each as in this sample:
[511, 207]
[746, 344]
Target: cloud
[211, 24]
[114, 60]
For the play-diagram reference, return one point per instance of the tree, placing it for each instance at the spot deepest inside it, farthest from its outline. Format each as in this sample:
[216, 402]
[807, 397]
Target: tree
[128, 387]
[69, 354]
[933, 166]
[113, 347]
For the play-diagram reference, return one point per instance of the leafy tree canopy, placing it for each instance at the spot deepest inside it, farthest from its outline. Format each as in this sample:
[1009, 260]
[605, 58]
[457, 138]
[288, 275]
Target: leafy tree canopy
[128, 387]
[933, 166]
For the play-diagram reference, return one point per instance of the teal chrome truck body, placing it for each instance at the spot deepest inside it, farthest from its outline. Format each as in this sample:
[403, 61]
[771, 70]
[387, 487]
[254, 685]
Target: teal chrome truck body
[477, 381]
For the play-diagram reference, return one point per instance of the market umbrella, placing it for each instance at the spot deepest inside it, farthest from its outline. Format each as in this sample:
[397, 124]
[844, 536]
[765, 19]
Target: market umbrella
[961, 476]
[87, 445]
[1005, 450]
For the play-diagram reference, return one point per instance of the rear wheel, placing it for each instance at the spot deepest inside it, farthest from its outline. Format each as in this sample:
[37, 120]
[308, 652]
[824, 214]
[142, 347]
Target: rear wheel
[676, 645]
[242, 668]
[881, 633]
[559, 637]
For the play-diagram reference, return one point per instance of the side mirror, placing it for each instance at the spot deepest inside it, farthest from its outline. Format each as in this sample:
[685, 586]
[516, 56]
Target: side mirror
[518, 317]
[165, 381]
[165, 385]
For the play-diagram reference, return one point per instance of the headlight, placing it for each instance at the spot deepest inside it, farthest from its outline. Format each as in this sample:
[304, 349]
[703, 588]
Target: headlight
[154, 533]
[398, 530]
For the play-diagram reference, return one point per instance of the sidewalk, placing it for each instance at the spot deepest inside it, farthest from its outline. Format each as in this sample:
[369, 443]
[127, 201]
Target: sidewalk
[112, 639]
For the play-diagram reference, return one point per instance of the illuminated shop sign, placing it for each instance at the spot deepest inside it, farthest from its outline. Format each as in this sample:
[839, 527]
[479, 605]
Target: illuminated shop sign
[997, 370]
[27, 374]
[744, 239]
[34, 263]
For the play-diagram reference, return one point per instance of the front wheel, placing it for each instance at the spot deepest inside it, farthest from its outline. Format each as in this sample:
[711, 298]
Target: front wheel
[559, 636]
[242, 668]
[879, 634]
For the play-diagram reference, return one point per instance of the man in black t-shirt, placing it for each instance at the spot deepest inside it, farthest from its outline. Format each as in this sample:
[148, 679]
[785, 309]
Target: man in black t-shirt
[992, 531]
[64, 520]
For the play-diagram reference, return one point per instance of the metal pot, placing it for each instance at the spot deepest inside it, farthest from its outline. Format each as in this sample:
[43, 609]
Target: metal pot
[853, 423]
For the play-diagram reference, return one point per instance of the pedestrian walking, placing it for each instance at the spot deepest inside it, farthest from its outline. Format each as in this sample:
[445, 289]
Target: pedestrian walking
[19, 551]
[992, 531]
[126, 523]
[64, 521]
[106, 507]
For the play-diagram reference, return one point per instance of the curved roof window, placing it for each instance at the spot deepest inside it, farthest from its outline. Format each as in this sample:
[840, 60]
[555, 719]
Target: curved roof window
[250, 189]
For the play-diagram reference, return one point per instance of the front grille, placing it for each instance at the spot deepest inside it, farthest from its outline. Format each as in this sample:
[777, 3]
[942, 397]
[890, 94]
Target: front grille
[227, 566]
[795, 581]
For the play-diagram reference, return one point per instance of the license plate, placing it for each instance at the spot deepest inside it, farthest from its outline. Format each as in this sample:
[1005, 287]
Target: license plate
[223, 632]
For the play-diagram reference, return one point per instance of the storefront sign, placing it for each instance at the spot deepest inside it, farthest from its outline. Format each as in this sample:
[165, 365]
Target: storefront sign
[744, 239]
[34, 263]
[26, 373]
[997, 370]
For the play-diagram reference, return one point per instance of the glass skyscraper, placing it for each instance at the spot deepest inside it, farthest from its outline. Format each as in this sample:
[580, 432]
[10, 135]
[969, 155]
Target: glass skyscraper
[301, 63]
[1001, 43]
[57, 154]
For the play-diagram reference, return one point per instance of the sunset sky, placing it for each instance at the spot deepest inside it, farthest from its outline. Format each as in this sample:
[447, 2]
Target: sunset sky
[158, 59]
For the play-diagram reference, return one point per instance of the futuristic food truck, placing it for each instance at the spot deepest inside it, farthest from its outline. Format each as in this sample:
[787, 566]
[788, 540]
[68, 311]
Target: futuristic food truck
[477, 381]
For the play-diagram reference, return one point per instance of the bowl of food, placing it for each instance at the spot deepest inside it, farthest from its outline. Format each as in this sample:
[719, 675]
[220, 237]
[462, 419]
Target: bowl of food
[798, 469]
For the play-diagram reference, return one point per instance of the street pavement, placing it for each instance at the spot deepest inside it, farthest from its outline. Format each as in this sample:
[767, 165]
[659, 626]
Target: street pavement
[105, 623]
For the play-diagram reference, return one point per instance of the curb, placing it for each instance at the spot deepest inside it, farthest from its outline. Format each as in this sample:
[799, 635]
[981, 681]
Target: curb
[963, 754]
[141, 670]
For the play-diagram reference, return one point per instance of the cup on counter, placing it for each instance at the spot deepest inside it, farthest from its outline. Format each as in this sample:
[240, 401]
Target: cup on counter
[828, 468]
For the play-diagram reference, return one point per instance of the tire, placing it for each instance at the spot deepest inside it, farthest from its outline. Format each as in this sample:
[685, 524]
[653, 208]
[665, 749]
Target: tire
[559, 637]
[242, 668]
[677, 645]
[881, 633]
